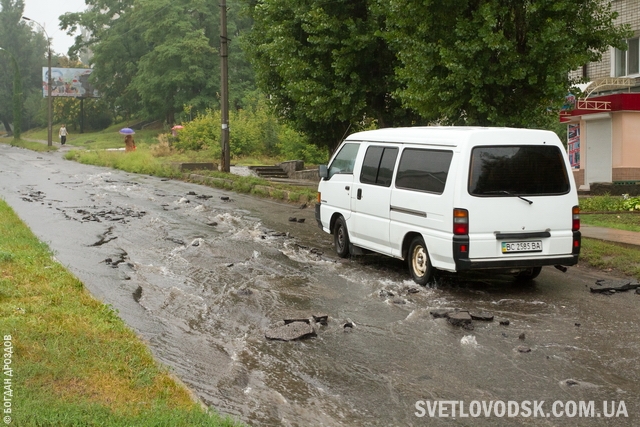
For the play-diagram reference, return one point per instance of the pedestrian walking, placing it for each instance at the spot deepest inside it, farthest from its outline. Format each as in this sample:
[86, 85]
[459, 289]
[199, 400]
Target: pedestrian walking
[62, 133]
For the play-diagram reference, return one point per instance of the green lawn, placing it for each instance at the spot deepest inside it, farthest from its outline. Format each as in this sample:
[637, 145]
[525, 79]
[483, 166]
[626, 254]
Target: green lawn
[621, 220]
[72, 360]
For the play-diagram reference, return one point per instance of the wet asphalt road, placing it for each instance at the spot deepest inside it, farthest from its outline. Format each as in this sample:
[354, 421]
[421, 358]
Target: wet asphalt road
[201, 279]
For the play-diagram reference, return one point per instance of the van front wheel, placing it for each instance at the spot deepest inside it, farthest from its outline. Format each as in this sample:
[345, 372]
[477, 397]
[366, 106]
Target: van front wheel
[341, 238]
[419, 263]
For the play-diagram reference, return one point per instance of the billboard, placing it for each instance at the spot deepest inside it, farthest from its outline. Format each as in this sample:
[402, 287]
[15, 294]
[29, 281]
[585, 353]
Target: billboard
[73, 82]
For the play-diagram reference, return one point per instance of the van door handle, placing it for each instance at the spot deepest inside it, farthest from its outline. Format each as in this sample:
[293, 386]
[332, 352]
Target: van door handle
[347, 188]
[359, 193]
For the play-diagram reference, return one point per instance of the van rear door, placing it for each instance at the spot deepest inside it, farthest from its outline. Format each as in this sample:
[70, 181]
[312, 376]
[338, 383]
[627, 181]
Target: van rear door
[520, 200]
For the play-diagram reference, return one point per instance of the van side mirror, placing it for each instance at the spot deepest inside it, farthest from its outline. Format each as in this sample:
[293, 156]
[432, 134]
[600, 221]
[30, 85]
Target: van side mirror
[323, 171]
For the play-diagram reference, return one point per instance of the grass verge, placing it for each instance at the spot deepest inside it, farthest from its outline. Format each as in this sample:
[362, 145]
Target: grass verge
[609, 211]
[144, 160]
[34, 146]
[71, 360]
[629, 221]
[611, 257]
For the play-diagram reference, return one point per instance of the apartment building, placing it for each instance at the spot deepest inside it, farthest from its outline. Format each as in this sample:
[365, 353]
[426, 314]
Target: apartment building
[604, 125]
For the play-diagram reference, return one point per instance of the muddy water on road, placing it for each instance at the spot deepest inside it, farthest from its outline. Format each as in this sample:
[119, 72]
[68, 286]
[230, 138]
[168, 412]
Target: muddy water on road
[201, 279]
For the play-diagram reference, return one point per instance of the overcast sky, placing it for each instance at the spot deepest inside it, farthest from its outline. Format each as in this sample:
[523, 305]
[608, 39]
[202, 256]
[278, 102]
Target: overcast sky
[46, 13]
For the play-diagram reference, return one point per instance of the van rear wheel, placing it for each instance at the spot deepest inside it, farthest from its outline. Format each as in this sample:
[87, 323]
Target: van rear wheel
[419, 263]
[341, 237]
[528, 274]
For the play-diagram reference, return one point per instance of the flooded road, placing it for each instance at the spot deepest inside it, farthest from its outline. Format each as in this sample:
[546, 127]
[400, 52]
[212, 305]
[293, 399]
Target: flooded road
[202, 274]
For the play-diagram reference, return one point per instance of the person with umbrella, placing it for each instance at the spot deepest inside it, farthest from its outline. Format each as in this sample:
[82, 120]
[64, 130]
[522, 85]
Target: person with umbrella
[175, 129]
[129, 143]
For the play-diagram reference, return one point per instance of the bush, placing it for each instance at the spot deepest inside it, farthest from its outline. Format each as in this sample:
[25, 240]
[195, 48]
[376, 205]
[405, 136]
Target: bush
[200, 133]
[631, 203]
[295, 146]
[254, 131]
[608, 203]
[163, 148]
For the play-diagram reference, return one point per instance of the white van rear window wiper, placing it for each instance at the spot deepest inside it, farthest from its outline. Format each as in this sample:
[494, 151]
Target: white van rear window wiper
[508, 193]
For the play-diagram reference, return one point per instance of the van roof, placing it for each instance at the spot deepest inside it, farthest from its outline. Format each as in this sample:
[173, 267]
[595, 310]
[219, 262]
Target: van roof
[442, 135]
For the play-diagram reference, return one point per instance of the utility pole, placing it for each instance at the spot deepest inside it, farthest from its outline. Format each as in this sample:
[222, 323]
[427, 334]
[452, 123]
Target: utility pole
[224, 89]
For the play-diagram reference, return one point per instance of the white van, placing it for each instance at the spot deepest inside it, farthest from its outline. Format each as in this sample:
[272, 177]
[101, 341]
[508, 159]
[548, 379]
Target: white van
[453, 198]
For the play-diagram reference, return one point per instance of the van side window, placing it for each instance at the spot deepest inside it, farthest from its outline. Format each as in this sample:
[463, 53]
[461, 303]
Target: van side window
[424, 170]
[523, 170]
[377, 166]
[345, 160]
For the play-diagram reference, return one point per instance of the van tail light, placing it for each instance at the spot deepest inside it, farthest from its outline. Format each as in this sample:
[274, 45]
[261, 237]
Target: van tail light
[575, 218]
[460, 222]
[319, 197]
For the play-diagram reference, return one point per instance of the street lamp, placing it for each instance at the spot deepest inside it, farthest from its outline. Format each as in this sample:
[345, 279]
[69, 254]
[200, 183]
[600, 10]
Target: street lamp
[49, 84]
[17, 97]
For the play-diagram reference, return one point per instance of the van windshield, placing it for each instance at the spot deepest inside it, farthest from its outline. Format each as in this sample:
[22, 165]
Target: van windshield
[345, 160]
[520, 170]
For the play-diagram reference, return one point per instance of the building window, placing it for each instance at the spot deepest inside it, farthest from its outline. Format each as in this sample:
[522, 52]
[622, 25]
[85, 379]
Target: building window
[627, 63]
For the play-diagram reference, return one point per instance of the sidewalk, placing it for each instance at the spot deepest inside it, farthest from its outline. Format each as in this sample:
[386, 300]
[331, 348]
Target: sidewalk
[631, 238]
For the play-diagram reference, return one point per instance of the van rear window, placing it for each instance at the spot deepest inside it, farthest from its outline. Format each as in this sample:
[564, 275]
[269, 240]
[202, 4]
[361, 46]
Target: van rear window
[424, 170]
[518, 170]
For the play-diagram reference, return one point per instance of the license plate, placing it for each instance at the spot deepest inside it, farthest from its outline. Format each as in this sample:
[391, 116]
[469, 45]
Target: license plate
[530, 246]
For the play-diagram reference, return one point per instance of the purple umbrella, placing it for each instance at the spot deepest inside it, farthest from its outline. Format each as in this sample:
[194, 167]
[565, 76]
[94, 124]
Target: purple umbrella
[126, 131]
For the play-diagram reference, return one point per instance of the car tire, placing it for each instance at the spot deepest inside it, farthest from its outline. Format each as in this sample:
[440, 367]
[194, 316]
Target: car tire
[419, 262]
[341, 237]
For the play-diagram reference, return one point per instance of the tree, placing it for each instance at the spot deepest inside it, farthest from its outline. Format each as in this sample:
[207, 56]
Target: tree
[179, 69]
[154, 58]
[117, 46]
[28, 49]
[324, 66]
[494, 62]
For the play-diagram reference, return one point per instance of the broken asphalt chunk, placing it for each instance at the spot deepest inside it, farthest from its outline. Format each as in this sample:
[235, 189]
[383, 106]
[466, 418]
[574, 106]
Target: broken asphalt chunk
[613, 289]
[323, 319]
[290, 332]
[348, 324]
[459, 318]
[292, 320]
[486, 317]
[438, 314]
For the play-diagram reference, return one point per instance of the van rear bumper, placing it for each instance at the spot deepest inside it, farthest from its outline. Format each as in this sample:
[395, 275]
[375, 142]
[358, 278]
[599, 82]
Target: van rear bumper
[466, 264]
[462, 262]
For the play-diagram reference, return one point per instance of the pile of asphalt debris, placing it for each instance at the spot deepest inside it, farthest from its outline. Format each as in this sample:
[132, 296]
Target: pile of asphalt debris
[297, 328]
[464, 318]
[609, 287]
